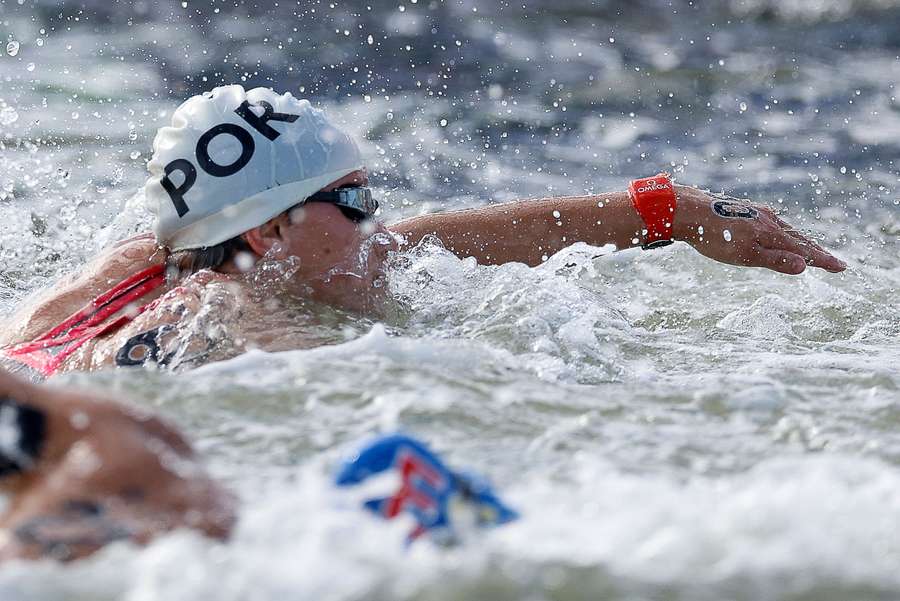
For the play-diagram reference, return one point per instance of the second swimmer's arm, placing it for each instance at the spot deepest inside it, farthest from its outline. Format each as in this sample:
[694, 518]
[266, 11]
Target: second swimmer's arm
[531, 231]
[82, 472]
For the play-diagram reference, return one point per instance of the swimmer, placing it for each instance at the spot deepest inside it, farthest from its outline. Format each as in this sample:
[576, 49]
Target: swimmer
[81, 472]
[257, 194]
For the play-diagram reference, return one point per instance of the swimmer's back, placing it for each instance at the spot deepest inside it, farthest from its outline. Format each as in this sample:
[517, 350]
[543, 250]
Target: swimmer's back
[49, 307]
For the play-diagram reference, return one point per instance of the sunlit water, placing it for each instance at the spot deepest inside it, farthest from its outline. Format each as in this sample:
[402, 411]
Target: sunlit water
[669, 427]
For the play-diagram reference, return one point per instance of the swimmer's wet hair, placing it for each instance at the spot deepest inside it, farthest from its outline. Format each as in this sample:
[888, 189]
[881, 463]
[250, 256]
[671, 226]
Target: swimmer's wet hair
[192, 260]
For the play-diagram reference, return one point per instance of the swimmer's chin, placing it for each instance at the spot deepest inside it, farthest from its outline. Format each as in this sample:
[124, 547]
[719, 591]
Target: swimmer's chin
[364, 293]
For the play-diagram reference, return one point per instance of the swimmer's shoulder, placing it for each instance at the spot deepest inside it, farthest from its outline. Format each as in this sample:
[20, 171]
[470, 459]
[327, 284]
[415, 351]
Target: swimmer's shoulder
[183, 324]
[70, 293]
[119, 261]
[155, 329]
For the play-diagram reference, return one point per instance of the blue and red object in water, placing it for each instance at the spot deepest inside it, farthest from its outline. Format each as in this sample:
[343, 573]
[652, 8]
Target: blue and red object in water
[429, 491]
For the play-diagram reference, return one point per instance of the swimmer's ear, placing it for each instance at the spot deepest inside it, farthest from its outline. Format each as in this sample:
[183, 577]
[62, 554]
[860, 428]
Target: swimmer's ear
[268, 238]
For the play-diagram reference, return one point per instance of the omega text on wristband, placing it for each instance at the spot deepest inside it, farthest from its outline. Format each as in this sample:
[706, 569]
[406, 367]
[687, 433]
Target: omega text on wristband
[654, 200]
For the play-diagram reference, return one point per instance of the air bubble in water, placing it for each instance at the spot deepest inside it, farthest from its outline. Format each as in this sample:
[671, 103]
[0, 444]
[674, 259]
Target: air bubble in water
[727, 235]
[12, 48]
[743, 106]
[39, 41]
[29, 67]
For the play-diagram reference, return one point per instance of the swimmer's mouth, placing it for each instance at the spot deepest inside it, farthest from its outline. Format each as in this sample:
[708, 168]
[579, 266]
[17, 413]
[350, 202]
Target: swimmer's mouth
[370, 265]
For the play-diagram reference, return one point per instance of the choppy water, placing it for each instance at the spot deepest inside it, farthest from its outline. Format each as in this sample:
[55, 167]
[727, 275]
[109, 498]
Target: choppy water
[670, 428]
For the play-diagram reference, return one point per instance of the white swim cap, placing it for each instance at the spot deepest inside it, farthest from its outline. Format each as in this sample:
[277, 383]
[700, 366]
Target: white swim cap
[232, 160]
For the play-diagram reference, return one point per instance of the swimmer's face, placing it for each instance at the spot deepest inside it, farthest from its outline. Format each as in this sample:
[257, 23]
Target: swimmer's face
[329, 255]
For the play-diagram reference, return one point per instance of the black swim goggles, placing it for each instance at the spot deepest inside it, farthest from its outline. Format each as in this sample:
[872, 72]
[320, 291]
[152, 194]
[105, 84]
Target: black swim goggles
[355, 203]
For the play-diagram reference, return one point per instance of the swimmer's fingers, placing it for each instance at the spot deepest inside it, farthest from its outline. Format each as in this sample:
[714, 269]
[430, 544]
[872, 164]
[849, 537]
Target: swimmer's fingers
[786, 239]
[799, 236]
[775, 219]
[782, 261]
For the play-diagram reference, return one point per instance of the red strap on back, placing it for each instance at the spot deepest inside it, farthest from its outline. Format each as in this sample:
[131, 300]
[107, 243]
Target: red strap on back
[89, 322]
[654, 199]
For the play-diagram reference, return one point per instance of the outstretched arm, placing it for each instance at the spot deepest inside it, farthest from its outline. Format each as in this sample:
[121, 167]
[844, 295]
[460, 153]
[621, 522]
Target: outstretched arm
[531, 231]
[82, 472]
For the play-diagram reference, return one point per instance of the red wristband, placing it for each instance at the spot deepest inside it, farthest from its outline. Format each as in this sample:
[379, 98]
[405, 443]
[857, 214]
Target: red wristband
[654, 200]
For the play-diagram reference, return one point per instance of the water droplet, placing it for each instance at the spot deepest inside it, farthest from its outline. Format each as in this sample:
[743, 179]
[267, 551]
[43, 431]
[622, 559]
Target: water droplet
[556, 214]
[443, 123]
[74, 114]
[727, 235]
[134, 155]
[370, 40]
[743, 106]
[244, 261]
[29, 67]
[132, 135]
[700, 229]
[39, 41]
[12, 48]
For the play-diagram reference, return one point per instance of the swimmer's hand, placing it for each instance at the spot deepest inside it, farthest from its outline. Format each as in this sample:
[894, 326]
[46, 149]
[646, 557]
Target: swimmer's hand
[739, 232]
